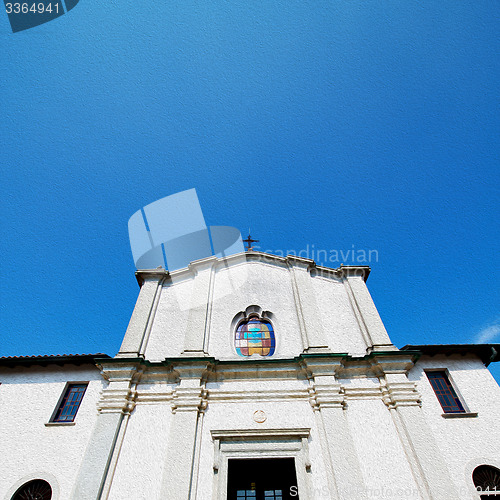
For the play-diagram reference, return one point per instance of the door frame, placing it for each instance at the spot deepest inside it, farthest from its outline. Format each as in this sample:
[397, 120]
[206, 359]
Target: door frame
[261, 443]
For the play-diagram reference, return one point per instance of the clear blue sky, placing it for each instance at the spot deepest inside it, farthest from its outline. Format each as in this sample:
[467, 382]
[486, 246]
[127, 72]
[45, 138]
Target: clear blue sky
[333, 124]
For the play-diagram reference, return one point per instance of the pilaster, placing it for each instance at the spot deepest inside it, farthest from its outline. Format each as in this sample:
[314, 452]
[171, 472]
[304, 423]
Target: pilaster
[115, 405]
[310, 324]
[137, 334]
[366, 313]
[427, 464]
[197, 325]
[328, 402]
[188, 405]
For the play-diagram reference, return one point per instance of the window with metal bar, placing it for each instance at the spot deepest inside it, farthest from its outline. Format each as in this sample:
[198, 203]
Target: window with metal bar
[444, 392]
[70, 403]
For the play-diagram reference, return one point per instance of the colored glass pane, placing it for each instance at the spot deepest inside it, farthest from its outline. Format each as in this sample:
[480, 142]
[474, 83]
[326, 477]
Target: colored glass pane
[255, 336]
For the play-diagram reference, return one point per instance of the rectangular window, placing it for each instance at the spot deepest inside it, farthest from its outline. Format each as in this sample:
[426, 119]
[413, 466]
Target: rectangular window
[70, 403]
[445, 392]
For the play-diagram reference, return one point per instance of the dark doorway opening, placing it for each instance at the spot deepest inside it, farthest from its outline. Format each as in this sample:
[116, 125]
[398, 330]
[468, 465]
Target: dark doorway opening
[262, 479]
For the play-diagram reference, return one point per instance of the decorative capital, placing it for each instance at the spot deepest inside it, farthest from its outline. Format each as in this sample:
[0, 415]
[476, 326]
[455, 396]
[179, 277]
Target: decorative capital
[322, 364]
[354, 271]
[396, 394]
[326, 396]
[397, 363]
[120, 400]
[158, 274]
[192, 370]
[189, 399]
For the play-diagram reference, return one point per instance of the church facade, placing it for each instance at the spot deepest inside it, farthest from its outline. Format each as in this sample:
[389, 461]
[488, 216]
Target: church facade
[255, 377]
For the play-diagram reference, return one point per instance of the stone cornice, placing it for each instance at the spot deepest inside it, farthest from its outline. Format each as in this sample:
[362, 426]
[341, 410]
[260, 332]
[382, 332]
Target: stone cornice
[120, 394]
[340, 365]
[320, 365]
[297, 433]
[354, 271]
[487, 353]
[158, 274]
[251, 256]
[383, 364]
[154, 397]
[182, 381]
[362, 393]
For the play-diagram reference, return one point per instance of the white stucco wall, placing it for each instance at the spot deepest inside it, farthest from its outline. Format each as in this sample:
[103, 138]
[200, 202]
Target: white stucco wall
[144, 453]
[365, 424]
[268, 285]
[31, 450]
[464, 442]
[339, 323]
[382, 458]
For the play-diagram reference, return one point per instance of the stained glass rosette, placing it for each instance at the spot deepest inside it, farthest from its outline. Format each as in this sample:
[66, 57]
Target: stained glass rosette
[255, 336]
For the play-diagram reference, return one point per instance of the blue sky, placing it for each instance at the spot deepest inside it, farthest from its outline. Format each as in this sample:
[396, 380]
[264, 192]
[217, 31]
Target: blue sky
[337, 124]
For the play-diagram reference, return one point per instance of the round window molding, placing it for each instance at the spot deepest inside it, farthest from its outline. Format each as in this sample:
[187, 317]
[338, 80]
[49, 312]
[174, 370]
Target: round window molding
[472, 473]
[486, 479]
[36, 489]
[16, 489]
[252, 333]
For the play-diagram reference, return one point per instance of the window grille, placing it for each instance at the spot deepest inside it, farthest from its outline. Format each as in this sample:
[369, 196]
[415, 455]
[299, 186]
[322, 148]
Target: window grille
[445, 392]
[487, 481]
[70, 403]
[34, 490]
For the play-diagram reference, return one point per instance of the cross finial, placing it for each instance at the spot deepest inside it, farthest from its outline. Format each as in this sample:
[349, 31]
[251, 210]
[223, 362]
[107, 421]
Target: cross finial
[249, 242]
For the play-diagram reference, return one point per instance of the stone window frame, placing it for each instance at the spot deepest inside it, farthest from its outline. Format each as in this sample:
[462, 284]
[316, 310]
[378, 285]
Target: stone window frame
[44, 476]
[249, 312]
[261, 443]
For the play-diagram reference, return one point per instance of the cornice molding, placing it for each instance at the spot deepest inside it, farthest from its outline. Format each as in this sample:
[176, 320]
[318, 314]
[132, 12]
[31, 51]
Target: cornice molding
[383, 364]
[297, 433]
[157, 274]
[249, 257]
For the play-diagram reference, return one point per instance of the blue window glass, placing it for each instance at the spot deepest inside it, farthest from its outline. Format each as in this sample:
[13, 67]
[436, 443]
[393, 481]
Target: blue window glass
[445, 392]
[273, 495]
[246, 494]
[70, 403]
[255, 336]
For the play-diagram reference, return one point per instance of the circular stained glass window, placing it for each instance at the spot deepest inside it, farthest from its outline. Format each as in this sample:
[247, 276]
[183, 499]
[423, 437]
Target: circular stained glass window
[34, 490]
[255, 336]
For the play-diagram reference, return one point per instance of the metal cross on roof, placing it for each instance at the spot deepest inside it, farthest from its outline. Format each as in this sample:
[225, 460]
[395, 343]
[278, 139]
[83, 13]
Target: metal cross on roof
[249, 242]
